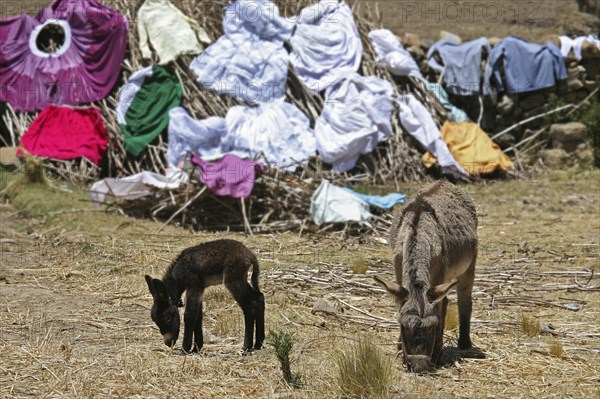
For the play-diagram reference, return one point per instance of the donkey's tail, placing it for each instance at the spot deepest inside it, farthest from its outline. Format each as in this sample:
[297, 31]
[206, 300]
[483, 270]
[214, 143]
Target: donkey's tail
[255, 274]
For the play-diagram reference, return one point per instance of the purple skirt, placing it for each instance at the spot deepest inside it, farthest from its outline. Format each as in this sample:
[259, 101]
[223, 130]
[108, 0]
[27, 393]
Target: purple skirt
[84, 67]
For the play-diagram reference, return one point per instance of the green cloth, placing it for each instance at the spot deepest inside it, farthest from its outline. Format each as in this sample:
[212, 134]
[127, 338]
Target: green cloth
[148, 114]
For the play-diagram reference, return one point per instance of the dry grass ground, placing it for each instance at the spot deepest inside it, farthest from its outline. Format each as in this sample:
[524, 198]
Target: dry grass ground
[75, 322]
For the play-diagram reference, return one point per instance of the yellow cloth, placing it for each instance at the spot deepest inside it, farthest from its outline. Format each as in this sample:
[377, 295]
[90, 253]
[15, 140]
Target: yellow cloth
[169, 30]
[472, 148]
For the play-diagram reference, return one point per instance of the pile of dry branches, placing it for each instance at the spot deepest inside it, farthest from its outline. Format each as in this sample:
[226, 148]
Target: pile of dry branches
[277, 196]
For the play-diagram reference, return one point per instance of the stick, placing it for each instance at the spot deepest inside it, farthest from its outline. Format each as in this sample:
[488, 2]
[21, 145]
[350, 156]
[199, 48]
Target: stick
[516, 125]
[246, 222]
[182, 209]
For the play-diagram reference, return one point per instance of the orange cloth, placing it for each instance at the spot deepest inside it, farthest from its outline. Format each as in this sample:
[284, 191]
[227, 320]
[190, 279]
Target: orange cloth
[472, 148]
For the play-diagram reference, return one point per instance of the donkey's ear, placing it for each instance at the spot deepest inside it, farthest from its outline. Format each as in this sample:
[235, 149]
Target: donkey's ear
[398, 293]
[439, 292]
[161, 290]
[150, 284]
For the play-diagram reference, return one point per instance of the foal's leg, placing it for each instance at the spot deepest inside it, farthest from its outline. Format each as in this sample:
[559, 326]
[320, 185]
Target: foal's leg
[191, 316]
[260, 320]
[243, 296]
[198, 335]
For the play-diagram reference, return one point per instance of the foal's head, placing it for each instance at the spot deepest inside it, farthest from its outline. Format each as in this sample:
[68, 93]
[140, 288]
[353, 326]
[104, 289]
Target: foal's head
[164, 311]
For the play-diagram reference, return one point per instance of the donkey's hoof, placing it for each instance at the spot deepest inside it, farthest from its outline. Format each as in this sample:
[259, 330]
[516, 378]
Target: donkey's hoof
[246, 352]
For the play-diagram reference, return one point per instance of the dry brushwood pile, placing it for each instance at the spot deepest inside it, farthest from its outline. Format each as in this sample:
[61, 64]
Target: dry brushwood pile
[75, 315]
[279, 200]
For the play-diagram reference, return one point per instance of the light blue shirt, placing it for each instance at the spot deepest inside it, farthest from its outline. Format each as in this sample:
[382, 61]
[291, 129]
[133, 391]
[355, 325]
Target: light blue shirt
[386, 201]
[455, 113]
[461, 64]
[527, 66]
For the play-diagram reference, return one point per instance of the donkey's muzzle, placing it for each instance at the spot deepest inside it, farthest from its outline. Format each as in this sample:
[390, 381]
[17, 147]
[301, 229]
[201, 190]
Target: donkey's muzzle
[418, 363]
[169, 339]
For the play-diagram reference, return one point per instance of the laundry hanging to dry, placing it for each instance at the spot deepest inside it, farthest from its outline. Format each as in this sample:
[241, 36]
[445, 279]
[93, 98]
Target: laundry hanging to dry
[69, 54]
[67, 133]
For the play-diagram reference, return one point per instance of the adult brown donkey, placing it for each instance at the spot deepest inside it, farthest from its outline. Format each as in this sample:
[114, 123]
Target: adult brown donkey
[434, 243]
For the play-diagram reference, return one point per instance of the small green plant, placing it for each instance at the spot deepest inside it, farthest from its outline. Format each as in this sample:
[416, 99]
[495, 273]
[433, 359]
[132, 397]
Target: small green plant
[556, 349]
[360, 264]
[283, 344]
[363, 371]
[530, 327]
[451, 321]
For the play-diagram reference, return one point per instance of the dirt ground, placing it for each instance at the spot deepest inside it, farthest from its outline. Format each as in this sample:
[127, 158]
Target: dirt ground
[75, 320]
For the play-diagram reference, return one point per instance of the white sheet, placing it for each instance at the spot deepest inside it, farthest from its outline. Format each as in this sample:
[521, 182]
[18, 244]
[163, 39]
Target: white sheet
[419, 123]
[356, 116]
[278, 129]
[186, 134]
[392, 55]
[140, 185]
[251, 70]
[256, 17]
[332, 204]
[326, 44]
[566, 44]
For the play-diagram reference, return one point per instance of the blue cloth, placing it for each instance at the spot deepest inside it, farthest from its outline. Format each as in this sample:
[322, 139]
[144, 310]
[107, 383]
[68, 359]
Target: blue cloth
[461, 65]
[527, 66]
[456, 114]
[385, 202]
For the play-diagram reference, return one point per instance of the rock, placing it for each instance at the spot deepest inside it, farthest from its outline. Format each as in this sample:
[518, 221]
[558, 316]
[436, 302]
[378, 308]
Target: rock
[581, 94]
[584, 153]
[324, 306]
[571, 97]
[574, 84]
[505, 141]
[592, 68]
[445, 35]
[573, 72]
[554, 157]
[590, 85]
[416, 52]
[506, 105]
[426, 44]
[570, 131]
[567, 136]
[410, 39]
[517, 112]
[532, 101]
[590, 50]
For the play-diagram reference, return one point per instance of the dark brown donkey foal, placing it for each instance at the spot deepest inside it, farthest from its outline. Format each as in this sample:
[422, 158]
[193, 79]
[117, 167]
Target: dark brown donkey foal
[211, 263]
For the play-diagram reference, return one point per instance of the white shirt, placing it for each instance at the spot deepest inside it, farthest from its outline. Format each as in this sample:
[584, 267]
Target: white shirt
[170, 32]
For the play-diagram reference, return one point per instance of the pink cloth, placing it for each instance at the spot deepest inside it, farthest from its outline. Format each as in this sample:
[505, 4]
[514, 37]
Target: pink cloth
[84, 69]
[67, 133]
[231, 176]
